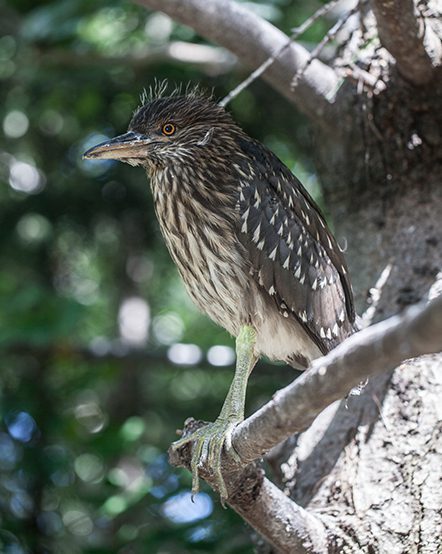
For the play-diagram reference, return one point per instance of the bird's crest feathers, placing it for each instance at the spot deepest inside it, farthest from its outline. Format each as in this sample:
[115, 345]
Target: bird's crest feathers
[185, 104]
[162, 89]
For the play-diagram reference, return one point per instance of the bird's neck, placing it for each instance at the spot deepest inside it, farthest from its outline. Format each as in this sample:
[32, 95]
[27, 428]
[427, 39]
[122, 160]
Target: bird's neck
[194, 205]
[193, 190]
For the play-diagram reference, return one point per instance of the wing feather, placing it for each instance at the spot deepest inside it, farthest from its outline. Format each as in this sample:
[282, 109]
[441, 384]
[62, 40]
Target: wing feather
[294, 256]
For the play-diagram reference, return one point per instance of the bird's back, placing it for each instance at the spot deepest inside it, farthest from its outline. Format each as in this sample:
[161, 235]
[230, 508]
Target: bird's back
[295, 258]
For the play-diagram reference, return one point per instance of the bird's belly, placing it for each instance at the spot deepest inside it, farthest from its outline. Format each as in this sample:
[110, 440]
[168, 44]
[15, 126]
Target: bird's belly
[238, 301]
[281, 338]
[221, 302]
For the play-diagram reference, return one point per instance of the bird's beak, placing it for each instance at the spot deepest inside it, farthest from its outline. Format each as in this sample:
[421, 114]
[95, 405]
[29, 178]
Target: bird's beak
[129, 145]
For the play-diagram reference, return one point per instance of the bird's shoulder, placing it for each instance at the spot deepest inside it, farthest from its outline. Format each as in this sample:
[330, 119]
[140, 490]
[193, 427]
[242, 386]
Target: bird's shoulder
[294, 256]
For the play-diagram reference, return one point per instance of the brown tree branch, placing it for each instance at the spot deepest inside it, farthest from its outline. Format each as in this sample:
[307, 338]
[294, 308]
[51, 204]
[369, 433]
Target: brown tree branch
[377, 349]
[287, 526]
[413, 43]
[211, 59]
[254, 40]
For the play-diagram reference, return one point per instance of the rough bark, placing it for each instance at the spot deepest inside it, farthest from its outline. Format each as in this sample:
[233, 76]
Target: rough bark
[414, 45]
[381, 173]
[371, 471]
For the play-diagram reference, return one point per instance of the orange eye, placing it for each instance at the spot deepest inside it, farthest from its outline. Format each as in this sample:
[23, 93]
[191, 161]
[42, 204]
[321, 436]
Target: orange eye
[168, 129]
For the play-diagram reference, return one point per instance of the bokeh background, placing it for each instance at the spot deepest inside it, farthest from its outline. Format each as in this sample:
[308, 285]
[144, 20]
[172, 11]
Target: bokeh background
[103, 355]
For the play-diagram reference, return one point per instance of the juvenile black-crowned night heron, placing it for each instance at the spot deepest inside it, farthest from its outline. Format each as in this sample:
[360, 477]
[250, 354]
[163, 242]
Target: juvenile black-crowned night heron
[251, 245]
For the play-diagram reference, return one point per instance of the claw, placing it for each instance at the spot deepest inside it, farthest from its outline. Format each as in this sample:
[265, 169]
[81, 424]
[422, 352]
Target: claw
[208, 443]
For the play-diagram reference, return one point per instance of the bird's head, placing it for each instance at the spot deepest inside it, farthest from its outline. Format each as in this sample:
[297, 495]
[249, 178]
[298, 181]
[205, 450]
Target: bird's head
[168, 131]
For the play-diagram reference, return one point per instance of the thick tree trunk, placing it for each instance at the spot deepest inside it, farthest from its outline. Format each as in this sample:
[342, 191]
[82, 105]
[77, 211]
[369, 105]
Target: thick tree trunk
[374, 463]
[377, 475]
[381, 170]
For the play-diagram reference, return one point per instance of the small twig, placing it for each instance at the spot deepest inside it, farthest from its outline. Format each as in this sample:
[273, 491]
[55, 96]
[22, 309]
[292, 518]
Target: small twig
[296, 32]
[375, 297]
[371, 82]
[378, 405]
[330, 35]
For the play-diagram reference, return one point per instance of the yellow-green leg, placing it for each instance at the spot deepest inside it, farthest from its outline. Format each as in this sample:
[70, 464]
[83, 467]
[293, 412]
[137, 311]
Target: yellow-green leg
[209, 441]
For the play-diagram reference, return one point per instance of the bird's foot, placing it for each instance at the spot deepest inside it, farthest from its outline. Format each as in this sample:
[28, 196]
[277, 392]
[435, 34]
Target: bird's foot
[208, 443]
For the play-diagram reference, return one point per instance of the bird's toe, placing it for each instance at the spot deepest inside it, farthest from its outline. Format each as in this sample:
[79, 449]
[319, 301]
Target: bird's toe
[208, 443]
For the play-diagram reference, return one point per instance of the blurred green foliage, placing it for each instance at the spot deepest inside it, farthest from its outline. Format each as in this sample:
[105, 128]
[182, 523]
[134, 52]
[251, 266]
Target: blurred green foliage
[90, 395]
